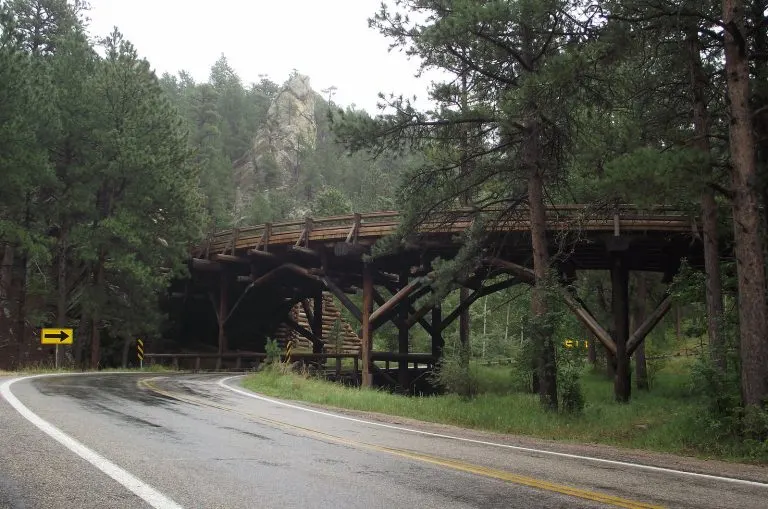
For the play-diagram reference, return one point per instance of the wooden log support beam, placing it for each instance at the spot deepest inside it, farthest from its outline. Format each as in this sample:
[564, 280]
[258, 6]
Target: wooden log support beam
[402, 336]
[416, 316]
[308, 312]
[223, 309]
[383, 374]
[286, 268]
[255, 254]
[244, 279]
[355, 230]
[470, 299]
[339, 294]
[438, 343]
[205, 265]
[523, 273]
[620, 309]
[367, 336]
[416, 357]
[305, 233]
[390, 307]
[304, 251]
[301, 330]
[589, 322]
[237, 303]
[230, 259]
[647, 326]
[317, 322]
[233, 244]
[263, 243]
[464, 304]
[379, 300]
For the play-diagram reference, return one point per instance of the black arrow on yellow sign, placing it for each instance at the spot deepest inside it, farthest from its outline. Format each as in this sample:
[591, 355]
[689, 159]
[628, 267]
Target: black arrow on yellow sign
[61, 336]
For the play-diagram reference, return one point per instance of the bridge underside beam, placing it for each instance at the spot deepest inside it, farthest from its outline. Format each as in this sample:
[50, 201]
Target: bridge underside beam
[582, 312]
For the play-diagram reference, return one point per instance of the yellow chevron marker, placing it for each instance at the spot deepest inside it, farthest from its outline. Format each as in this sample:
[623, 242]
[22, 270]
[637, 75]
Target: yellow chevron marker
[140, 352]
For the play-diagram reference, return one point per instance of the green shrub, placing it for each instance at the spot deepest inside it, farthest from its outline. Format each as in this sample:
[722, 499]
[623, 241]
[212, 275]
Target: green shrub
[272, 350]
[570, 365]
[457, 375]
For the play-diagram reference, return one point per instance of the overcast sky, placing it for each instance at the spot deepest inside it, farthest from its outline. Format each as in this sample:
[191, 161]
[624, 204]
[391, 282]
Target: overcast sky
[329, 40]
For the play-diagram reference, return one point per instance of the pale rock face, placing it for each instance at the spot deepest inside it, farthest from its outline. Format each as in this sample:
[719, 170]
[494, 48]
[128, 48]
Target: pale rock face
[272, 162]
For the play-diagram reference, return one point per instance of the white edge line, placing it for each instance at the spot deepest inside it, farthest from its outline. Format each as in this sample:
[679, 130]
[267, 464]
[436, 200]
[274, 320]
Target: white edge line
[139, 488]
[223, 383]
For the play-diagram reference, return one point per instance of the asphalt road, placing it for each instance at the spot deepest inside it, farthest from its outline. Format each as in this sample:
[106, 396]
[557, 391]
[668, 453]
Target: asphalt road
[140, 440]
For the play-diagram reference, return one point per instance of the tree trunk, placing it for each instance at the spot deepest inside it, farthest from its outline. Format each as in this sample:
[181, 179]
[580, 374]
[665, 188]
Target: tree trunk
[592, 351]
[610, 359]
[6, 284]
[464, 328]
[61, 284]
[760, 99]
[96, 317]
[713, 288]
[638, 316]
[750, 262]
[126, 350]
[545, 347]
[21, 314]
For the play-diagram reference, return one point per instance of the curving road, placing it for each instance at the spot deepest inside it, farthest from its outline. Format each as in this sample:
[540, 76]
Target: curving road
[199, 441]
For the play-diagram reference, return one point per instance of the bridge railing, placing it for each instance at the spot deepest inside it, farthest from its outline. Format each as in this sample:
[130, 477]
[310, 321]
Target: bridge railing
[376, 224]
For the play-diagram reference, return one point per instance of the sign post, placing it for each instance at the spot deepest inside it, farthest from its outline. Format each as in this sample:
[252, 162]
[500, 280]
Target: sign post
[140, 352]
[58, 336]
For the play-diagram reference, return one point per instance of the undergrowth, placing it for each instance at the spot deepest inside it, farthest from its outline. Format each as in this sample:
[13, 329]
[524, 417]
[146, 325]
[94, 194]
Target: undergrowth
[666, 419]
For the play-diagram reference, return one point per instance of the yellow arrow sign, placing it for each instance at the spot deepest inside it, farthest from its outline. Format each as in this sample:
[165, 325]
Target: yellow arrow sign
[56, 336]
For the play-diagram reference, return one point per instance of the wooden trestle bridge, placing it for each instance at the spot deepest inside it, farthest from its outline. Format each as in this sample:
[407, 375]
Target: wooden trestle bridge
[290, 280]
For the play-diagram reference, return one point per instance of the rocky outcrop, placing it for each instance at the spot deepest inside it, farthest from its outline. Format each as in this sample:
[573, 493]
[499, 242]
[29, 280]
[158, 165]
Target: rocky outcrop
[273, 160]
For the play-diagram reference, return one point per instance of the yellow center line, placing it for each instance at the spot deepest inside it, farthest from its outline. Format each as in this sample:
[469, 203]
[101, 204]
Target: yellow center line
[434, 460]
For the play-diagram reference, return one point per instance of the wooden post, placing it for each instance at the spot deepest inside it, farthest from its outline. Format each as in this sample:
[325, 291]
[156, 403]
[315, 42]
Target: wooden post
[197, 363]
[367, 339]
[223, 291]
[437, 337]
[317, 322]
[402, 337]
[620, 307]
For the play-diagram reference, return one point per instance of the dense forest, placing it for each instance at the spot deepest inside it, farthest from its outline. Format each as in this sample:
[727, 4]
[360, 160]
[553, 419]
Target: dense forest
[109, 173]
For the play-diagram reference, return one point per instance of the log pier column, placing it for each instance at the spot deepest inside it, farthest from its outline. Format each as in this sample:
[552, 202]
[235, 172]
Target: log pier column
[317, 322]
[437, 337]
[402, 336]
[222, 316]
[620, 308]
[367, 339]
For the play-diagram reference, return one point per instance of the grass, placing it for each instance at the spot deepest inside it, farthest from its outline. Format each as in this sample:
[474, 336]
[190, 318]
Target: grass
[663, 419]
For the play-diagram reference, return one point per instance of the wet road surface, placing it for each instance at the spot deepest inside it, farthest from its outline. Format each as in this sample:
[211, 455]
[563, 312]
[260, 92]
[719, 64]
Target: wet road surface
[197, 444]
